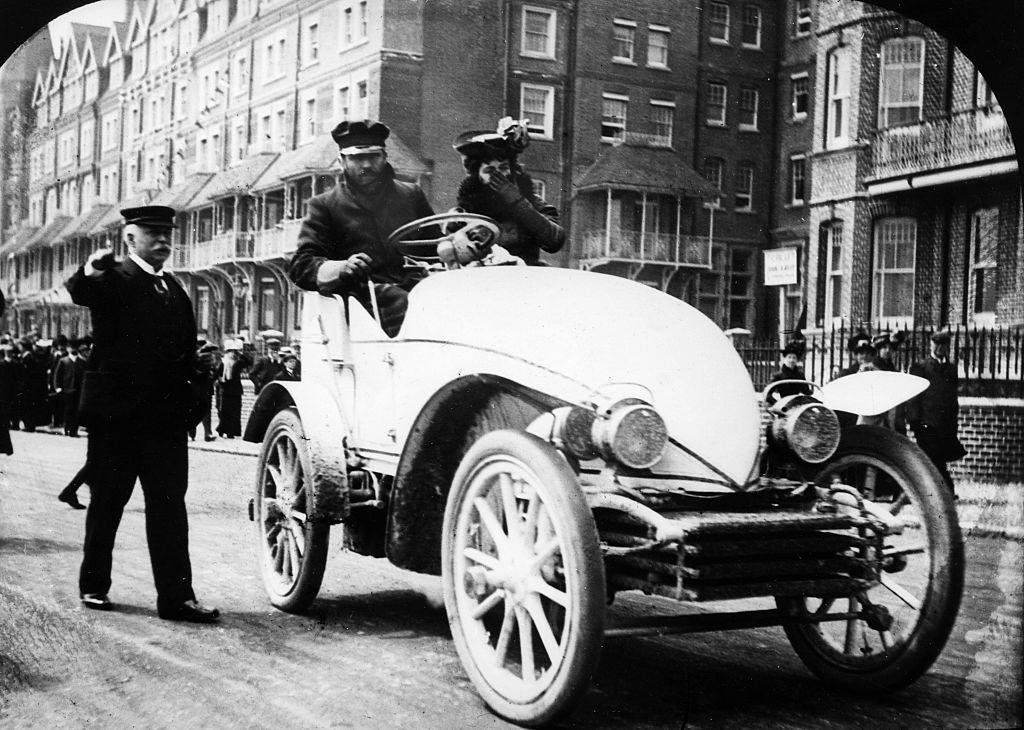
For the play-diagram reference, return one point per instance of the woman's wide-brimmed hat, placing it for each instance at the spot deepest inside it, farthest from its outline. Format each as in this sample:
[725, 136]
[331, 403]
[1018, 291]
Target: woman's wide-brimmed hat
[511, 137]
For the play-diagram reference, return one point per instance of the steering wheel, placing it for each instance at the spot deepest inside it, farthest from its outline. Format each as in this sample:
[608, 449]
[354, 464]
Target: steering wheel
[425, 249]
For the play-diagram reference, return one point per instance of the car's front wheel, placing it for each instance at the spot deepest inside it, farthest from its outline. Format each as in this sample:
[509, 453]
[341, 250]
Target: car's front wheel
[291, 549]
[895, 630]
[523, 577]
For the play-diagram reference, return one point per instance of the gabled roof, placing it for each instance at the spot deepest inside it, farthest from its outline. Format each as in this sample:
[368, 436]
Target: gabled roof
[85, 37]
[137, 25]
[114, 48]
[64, 52]
[644, 168]
[18, 241]
[39, 91]
[81, 224]
[182, 194]
[237, 179]
[46, 234]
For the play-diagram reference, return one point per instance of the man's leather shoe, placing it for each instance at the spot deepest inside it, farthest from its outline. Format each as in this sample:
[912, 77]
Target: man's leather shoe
[190, 611]
[96, 601]
[70, 497]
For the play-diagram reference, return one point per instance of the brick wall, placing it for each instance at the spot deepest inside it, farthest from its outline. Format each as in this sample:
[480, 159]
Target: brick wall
[992, 431]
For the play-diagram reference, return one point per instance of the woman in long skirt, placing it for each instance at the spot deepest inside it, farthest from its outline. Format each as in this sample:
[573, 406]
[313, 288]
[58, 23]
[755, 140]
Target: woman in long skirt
[229, 392]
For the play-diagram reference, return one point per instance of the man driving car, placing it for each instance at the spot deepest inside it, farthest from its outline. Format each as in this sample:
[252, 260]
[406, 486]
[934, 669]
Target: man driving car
[342, 241]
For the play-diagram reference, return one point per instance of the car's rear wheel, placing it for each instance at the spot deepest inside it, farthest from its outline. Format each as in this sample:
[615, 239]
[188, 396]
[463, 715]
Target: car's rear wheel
[903, 621]
[523, 577]
[291, 549]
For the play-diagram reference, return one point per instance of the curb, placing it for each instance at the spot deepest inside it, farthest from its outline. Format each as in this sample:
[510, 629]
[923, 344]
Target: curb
[220, 446]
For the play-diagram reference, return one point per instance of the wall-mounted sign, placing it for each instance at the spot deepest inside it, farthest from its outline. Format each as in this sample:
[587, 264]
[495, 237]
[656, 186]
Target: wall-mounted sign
[780, 266]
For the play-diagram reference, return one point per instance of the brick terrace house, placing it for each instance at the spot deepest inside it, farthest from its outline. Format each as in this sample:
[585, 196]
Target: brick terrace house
[846, 132]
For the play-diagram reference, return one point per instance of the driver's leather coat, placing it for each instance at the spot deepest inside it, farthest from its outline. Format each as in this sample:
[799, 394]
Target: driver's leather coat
[340, 224]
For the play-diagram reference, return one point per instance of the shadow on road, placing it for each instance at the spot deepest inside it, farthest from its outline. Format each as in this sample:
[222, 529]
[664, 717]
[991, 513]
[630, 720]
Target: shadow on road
[406, 612]
[37, 545]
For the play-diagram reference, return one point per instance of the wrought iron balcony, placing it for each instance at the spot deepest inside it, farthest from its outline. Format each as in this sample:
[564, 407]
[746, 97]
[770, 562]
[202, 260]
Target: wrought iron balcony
[277, 242]
[972, 137]
[646, 247]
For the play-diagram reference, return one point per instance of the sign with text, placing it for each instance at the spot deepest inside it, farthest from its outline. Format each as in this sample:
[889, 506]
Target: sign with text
[780, 266]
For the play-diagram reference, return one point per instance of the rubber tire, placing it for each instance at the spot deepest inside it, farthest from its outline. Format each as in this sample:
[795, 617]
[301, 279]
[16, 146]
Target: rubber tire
[304, 591]
[580, 533]
[945, 585]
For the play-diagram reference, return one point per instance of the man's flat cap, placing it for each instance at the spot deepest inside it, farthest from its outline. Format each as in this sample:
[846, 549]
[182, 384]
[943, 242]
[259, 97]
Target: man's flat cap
[159, 216]
[363, 136]
[942, 337]
[882, 340]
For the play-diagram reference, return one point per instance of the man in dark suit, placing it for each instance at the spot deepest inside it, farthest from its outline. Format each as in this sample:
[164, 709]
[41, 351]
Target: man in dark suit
[342, 242]
[138, 401]
[933, 414]
[67, 383]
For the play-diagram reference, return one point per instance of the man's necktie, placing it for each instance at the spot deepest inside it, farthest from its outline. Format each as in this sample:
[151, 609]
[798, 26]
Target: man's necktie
[161, 289]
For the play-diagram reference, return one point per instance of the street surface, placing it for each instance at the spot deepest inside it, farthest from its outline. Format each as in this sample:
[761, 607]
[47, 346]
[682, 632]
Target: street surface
[375, 650]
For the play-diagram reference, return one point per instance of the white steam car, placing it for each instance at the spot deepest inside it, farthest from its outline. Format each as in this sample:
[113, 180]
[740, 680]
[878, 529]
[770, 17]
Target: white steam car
[544, 438]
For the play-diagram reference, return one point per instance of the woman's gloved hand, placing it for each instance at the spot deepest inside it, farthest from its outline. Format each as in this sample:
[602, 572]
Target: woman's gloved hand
[503, 187]
[464, 247]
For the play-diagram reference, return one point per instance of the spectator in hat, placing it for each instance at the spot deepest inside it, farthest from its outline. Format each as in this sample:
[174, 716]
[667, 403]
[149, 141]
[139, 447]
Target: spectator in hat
[933, 415]
[341, 244]
[67, 383]
[11, 373]
[33, 399]
[790, 369]
[497, 186]
[228, 385]
[267, 367]
[207, 361]
[863, 354]
[138, 402]
[290, 368]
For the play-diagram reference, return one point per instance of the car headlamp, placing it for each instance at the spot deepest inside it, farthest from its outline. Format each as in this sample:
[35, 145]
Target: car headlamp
[630, 432]
[572, 431]
[810, 430]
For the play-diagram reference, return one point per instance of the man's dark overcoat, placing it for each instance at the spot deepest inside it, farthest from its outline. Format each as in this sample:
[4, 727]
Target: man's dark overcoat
[139, 397]
[341, 223]
[935, 412]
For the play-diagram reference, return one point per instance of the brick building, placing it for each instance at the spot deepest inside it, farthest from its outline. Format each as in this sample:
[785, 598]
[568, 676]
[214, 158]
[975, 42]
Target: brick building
[677, 140]
[914, 214]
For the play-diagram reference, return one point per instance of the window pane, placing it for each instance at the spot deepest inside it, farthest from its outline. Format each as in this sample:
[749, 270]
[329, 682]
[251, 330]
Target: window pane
[657, 48]
[661, 121]
[535, 32]
[718, 21]
[613, 119]
[535, 109]
[624, 36]
[751, 26]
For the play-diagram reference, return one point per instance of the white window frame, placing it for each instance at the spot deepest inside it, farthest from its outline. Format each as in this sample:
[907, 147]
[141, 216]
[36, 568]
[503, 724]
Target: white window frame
[709, 120]
[794, 80]
[342, 101]
[716, 203]
[882, 274]
[981, 266]
[630, 27]
[346, 28]
[547, 130]
[549, 40]
[239, 144]
[364, 21]
[671, 107]
[658, 31]
[308, 126]
[749, 126]
[728, 23]
[901, 68]
[802, 14]
[838, 97]
[756, 45]
[311, 45]
[834, 276]
[801, 158]
[620, 98]
[362, 98]
[540, 189]
[744, 188]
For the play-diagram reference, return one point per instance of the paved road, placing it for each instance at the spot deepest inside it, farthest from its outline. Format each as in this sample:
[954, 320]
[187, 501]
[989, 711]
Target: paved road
[375, 649]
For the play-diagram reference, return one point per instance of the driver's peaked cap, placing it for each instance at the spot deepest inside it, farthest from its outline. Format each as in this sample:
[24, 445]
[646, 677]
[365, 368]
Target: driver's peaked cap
[362, 136]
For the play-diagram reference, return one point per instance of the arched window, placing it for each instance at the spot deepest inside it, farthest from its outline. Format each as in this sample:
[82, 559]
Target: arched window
[895, 244]
[900, 82]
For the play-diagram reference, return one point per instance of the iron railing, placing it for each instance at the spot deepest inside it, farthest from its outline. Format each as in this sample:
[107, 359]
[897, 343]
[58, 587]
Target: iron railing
[647, 247]
[990, 361]
[974, 136]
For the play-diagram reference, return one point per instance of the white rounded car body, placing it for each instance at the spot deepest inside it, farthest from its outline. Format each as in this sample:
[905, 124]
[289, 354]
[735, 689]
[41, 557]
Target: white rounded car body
[565, 333]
